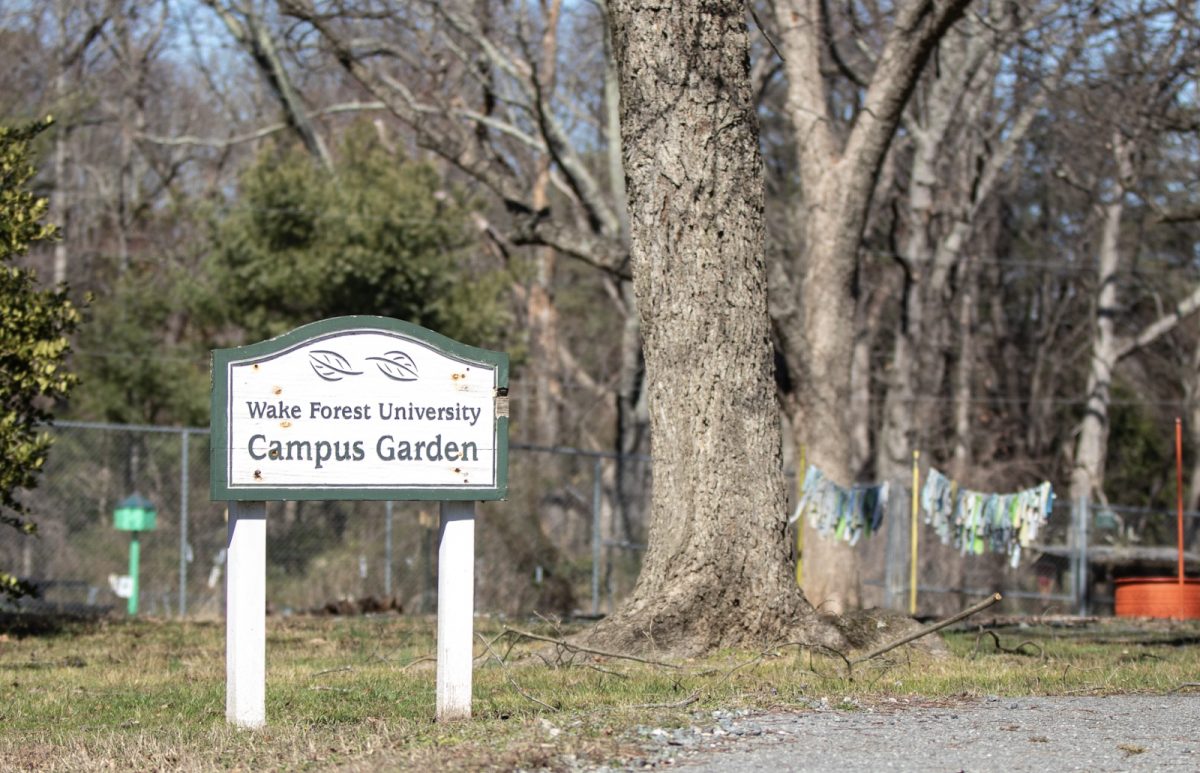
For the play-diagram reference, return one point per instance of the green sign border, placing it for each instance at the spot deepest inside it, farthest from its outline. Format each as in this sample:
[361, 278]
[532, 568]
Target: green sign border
[223, 359]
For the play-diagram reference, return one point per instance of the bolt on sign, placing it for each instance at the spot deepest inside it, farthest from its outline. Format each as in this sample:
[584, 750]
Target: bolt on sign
[355, 408]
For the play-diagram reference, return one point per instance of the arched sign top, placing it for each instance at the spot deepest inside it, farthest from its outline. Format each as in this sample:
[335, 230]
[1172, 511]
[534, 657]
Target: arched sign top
[359, 408]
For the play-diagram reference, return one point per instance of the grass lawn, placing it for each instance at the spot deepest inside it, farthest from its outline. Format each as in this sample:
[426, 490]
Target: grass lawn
[358, 693]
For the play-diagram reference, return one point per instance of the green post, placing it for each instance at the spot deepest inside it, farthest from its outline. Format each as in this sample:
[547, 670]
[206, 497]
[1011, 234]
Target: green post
[135, 514]
[135, 550]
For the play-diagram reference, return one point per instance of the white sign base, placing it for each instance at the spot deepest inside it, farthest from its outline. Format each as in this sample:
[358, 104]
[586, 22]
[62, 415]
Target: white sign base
[456, 610]
[245, 615]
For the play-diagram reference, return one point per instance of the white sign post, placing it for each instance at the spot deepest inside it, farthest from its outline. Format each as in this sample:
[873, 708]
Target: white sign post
[245, 615]
[456, 610]
[355, 408]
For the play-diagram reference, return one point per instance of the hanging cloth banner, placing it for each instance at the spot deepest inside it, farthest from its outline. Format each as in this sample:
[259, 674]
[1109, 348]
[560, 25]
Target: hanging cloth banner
[843, 513]
[977, 522]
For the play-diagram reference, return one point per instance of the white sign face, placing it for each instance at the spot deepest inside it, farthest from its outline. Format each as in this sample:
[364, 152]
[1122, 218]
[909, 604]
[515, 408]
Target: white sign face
[122, 585]
[359, 410]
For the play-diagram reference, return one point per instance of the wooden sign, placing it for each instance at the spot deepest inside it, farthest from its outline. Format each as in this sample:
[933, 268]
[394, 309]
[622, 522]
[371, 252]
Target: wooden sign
[355, 408]
[359, 408]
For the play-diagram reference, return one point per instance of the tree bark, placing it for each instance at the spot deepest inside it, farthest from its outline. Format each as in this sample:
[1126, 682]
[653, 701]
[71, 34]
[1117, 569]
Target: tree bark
[963, 368]
[1087, 476]
[716, 570]
[832, 573]
[541, 309]
[633, 419]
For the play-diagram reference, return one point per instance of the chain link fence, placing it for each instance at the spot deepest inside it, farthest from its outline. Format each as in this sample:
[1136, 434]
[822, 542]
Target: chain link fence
[1071, 570]
[568, 541]
[563, 543]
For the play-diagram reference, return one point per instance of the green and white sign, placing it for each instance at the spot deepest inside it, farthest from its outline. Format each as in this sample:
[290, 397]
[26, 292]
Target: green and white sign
[359, 408]
[355, 408]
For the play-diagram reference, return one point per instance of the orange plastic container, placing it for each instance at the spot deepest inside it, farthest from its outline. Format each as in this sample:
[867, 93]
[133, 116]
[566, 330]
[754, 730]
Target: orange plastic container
[1158, 597]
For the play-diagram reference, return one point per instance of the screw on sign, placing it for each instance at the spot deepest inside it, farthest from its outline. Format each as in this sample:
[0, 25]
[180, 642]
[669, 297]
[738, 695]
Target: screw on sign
[355, 408]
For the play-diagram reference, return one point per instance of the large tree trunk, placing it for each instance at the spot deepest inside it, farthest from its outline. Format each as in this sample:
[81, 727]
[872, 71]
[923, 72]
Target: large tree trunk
[716, 569]
[832, 577]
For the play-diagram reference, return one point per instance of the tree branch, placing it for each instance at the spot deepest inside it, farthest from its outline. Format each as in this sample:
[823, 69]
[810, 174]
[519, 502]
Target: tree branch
[1161, 326]
[963, 615]
[918, 27]
[257, 134]
[251, 34]
[600, 250]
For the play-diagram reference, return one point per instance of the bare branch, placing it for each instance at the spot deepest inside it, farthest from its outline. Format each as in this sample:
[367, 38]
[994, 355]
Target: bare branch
[531, 226]
[919, 25]
[564, 644]
[252, 35]
[509, 677]
[257, 134]
[1161, 326]
[963, 615]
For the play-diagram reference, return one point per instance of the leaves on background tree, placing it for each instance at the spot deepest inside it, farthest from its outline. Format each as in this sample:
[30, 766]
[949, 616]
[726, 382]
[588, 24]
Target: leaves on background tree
[34, 326]
[381, 235]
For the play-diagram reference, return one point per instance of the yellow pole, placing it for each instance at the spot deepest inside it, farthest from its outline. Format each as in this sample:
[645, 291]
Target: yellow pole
[801, 469]
[912, 570]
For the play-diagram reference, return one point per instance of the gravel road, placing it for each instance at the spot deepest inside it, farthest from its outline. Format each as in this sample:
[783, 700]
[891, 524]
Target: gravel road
[1115, 733]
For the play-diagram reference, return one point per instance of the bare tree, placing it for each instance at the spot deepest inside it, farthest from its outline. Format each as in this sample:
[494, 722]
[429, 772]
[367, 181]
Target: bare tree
[1159, 52]
[962, 132]
[838, 166]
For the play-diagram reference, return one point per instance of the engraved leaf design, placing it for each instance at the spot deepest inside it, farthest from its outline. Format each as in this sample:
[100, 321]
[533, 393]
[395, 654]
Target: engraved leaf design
[330, 366]
[397, 366]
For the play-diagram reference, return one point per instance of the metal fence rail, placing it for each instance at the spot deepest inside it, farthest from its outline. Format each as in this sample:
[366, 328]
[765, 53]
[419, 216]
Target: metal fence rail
[569, 539]
[561, 542]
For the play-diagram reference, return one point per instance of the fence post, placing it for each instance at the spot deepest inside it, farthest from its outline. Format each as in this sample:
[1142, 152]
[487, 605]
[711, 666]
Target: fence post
[387, 562]
[597, 472]
[1082, 513]
[895, 555]
[183, 520]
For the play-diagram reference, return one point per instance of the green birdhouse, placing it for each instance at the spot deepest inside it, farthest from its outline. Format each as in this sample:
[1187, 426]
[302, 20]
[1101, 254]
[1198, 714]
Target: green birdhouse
[135, 513]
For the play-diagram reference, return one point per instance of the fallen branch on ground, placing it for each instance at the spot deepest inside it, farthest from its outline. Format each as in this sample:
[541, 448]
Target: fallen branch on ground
[774, 648]
[425, 659]
[333, 671]
[963, 615]
[688, 701]
[1017, 650]
[509, 677]
[563, 643]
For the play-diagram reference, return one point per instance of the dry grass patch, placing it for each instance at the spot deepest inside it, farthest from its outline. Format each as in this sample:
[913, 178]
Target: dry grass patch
[358, 694]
